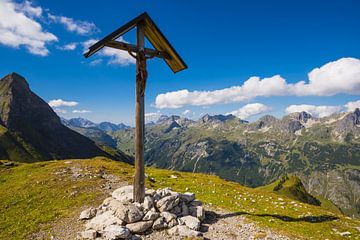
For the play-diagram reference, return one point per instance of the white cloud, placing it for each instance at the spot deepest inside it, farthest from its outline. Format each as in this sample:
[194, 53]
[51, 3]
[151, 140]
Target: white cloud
[62, 103]
[315, 111]
[249, 110]
[28, 9]
[59, 110]
[18, 27]
[152, 116]
[81, 111]
[116, 56]
[351, 106]
[72, 25]
[68, 47]
[187, 112]
[95, 62]
[341, 76]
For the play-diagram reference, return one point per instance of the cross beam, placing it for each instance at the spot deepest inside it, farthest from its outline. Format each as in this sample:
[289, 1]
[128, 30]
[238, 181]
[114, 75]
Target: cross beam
[135, 49]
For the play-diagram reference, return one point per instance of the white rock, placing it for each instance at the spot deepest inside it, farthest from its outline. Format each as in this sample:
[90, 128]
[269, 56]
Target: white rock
[168, 216]
[89, 234]
[139, 227]
[124, 193]
[159, 224]
[149, 192]
[172, 223]
[125, 211]
[167, 203]
[114, 232]
[191, 222]
[148, 202]
[183, 231]
[165, 192]
[101, 221]
[345, 234]
[151, 215]
[88, 213]
[173, 176]
[187, 197]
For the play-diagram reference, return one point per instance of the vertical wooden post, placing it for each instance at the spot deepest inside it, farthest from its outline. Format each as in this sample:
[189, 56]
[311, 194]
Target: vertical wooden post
[141, 75]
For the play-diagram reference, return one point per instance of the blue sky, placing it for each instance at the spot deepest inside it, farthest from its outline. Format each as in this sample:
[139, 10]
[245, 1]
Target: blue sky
[224, 43]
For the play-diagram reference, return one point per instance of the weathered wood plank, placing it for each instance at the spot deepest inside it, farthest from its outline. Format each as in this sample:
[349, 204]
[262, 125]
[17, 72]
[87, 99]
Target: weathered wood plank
[141, 75]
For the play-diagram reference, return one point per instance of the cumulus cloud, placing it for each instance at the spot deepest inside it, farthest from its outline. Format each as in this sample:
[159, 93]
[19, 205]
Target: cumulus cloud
[316, 111]
[116, 56]
[19, 27]
[351, 106]
[62, 103]
[187, 113]
[249, 110]
[341, 76]
[152, 116]
[27, 8]
[68, 47]
[60, 110]
[72, 25]
[81, 111]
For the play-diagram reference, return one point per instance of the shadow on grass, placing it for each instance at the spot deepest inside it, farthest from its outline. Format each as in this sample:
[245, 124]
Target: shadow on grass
[212, 217]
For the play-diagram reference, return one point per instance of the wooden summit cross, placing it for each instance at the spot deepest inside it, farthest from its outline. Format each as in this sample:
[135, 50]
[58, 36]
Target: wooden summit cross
[145, 26]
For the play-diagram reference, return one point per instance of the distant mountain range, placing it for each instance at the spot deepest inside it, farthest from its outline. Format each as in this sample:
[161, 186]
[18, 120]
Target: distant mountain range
[98, 132]
[85, 123]
[31, 131]
[319, 150]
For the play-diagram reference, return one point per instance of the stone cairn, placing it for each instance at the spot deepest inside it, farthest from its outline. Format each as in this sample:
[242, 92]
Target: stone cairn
[118, 217]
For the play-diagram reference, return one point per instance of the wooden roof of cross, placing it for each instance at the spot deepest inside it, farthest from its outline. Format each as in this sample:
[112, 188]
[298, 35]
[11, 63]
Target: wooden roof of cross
[163, 48]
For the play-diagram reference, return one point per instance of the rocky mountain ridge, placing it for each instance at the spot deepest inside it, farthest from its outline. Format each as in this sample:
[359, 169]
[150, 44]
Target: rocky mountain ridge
[33, 129]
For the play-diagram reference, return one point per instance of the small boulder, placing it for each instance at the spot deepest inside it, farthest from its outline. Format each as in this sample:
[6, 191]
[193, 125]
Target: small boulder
[123, 194]
[191, 222]
[159, 223]
[101, 221]
[167, 203]
[172, 223]
[184, 231]
[164, 192]
[151, 215]
[149, 192]
[198, 212]
[139, 227]
[114, 232]
[187, 197]
[125, 211]
[176, 210]
[184, 209]
[88, 213]
[168, 216]
[89, 234]
[148, 202]
[195, 203]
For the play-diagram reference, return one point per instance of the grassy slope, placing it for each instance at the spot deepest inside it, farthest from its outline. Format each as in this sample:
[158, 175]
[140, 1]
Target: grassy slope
[33, 195]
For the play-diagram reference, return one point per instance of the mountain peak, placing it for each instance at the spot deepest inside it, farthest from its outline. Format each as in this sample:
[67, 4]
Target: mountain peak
[216, 118]
[14, 79]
